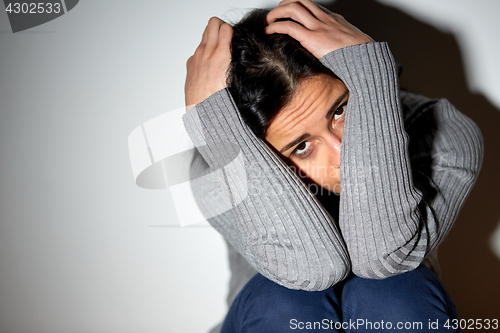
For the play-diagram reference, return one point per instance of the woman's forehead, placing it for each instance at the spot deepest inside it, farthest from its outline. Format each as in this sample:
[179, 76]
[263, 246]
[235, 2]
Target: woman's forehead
[311, 102]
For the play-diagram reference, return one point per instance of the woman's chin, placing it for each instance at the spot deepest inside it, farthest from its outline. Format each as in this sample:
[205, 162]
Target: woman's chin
[336, 189]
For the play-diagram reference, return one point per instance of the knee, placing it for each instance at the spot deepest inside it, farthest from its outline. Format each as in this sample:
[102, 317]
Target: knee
[264, 306]
[281, 301]
[418, 293]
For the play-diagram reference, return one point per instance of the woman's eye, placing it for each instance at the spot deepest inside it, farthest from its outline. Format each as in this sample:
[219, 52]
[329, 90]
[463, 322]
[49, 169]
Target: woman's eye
[339, 112]
[302, 149]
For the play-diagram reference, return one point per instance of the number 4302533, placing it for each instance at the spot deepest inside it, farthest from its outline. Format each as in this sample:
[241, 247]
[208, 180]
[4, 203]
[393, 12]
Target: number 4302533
[33, 8]
[472, 324]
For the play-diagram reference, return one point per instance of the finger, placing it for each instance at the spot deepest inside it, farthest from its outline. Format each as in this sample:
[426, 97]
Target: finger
[213, 32]
[225, 34]
[296, 12]
[326, 11]
[204, 36]
[312, 7]
[224, 48]
[340, 19]
[290, 28]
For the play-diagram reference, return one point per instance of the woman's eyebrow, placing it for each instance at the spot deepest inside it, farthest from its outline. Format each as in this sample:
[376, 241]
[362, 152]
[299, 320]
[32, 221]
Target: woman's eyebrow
[335, 104]
[295, 142]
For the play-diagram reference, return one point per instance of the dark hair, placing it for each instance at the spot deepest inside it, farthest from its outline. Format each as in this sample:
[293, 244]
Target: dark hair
[266, 70]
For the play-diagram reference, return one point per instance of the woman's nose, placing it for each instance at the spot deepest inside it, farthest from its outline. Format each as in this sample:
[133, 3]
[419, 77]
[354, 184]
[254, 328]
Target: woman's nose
[334, 142]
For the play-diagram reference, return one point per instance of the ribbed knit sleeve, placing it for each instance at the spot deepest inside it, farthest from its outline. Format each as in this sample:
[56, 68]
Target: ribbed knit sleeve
[274, 221]
[399, 197]
[395, 207]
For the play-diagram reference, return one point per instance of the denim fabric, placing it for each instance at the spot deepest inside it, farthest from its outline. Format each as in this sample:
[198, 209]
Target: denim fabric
[415, 301]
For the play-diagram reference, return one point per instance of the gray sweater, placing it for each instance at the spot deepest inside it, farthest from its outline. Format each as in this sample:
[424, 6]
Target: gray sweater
[399, 197]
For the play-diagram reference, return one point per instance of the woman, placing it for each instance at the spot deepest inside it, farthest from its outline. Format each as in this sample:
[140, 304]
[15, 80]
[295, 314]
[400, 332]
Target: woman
[324, 97]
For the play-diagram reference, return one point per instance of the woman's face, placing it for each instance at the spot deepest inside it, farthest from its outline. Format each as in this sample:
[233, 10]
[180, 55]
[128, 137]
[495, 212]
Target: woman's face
[308, 131]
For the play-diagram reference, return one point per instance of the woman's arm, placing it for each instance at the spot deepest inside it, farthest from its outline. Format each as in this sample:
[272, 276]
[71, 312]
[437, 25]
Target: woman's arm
[274, 221]
[397, 203]
[392, 211]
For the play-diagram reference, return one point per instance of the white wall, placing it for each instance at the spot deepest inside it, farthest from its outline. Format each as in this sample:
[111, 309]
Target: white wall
[79, 250]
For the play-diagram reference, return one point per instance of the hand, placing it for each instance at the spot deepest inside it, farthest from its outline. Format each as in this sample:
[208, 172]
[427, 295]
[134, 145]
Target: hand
[207, 68]
[320, 31]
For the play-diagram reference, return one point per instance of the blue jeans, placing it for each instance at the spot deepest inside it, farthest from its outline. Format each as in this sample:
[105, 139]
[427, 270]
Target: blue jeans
[415, 301]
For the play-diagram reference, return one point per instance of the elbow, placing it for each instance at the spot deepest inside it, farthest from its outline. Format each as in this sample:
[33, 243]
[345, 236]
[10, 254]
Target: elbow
[478, 149]
[467, 140]
[309, 279]
[387, 265]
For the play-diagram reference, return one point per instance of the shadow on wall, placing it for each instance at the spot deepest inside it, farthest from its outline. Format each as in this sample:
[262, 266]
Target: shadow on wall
[432, 66]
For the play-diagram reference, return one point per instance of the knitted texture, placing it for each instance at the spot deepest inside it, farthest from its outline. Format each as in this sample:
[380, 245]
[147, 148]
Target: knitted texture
[399, 197]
